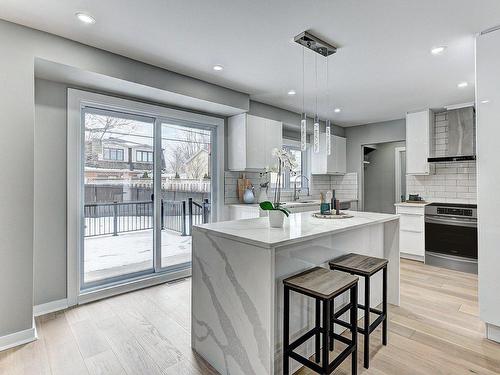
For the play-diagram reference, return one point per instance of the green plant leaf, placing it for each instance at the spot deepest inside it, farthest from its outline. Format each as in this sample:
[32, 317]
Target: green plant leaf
[284, 210]
[266, 205]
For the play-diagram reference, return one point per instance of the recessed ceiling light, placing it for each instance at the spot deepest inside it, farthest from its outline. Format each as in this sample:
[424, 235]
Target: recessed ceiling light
[85, 18]
[291, 92]
[461, 85]
[486, 101]
[438, 50]
[218, 68]
[337, 110]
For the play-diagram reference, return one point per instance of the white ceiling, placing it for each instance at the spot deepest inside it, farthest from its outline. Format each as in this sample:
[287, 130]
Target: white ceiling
[382, 69]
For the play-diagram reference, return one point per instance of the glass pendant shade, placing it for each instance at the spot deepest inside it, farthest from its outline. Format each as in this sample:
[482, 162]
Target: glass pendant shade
[328, 138]
[303, 133]
[316, 135]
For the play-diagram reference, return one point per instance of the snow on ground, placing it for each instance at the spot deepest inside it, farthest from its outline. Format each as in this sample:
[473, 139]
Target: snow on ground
[108, 256]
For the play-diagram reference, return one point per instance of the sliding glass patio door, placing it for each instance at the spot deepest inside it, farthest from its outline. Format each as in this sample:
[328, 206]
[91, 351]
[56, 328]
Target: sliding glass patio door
[118, 208]
[146, 181]
[186, 187]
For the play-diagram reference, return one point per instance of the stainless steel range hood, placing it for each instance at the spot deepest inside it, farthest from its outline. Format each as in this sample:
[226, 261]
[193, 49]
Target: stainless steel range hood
[460, 137]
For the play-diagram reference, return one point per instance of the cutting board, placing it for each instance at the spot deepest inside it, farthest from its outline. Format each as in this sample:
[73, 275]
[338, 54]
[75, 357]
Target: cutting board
[243, 183]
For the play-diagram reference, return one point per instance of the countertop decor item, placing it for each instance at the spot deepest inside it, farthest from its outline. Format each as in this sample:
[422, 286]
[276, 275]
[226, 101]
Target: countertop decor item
[243, 183]
[249, 196]
[286, 162]
[342, 215]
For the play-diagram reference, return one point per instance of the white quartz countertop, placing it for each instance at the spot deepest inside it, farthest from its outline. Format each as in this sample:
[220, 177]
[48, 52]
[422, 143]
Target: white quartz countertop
[411, 204]
[298, 227]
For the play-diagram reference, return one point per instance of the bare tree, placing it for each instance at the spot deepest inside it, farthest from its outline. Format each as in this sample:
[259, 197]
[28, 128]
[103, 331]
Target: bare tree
[175, 160]
[96, 126]
[197, 167]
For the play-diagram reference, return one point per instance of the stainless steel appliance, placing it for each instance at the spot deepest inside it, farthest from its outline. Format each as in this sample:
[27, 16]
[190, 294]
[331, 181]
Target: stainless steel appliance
[460, 137]
[451, 236]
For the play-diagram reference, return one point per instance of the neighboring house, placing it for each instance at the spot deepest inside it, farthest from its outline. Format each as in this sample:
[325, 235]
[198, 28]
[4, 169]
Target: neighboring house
[198, 166]
[115, 158]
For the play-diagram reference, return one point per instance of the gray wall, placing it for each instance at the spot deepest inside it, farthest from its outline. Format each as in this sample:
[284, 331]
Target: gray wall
[20, 47]
[380, 132]
[50, 192]
[379, 178]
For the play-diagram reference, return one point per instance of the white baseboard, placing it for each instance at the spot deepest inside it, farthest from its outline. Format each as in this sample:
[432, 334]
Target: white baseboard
[412, 256]
[49, 307]
[493, 332]
[18, 338]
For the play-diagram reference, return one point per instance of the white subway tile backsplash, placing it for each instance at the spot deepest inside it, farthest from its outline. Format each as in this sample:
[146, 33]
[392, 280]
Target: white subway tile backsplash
[345, 186]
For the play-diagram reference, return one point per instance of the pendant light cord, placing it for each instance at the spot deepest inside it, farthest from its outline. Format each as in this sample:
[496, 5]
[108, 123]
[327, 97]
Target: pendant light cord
[316, 84]
[303, 79]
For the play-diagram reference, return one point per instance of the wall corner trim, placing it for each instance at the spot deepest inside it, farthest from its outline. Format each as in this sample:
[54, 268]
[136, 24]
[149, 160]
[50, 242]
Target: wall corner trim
[49, 307]
[18, 338]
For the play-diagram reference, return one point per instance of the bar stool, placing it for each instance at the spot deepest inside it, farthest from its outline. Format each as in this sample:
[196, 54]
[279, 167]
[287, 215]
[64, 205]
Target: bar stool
[323, 285]
[364, 266]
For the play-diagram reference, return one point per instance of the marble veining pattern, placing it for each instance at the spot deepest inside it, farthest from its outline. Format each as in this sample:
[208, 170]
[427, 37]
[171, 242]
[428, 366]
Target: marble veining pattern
[237, 322]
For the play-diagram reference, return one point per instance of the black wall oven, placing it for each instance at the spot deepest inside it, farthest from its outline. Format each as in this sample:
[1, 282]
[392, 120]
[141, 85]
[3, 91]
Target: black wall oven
[451, 236]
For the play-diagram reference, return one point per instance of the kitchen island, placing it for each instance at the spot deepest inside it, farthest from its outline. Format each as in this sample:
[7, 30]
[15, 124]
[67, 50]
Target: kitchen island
[237, 292]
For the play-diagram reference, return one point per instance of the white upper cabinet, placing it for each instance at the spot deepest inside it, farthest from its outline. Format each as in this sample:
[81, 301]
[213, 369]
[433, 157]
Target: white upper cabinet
[335, 163]
[418, 127]
[251, 140]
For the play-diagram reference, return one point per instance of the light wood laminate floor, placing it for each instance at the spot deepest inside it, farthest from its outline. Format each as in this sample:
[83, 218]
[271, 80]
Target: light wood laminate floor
[435, 331]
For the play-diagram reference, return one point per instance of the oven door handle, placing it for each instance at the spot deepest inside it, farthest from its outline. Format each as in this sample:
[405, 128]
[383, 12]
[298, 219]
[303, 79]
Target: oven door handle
[451, 221]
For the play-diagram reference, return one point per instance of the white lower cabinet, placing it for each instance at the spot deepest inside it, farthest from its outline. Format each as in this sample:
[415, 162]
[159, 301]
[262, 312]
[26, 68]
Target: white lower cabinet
[411, 230]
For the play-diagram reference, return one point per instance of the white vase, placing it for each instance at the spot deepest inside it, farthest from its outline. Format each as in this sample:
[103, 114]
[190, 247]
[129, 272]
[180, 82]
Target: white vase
[276, 218]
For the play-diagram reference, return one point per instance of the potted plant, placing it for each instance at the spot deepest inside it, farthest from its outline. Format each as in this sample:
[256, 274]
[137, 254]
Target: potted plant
[277, 213]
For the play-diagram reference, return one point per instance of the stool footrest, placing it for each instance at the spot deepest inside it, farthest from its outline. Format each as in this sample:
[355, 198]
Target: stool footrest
[332, 365]
[372, 327]
[372, 310]
[341, 338]
[341, 357]
[302, 339]
[306, 362]
[343, 310]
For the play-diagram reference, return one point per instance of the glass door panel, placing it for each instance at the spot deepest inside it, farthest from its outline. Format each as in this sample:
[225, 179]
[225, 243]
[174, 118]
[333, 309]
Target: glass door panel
[186, 188]
[118, 208]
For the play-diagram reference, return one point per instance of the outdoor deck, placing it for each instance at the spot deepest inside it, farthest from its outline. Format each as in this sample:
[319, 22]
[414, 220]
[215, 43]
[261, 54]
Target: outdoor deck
[109, 256]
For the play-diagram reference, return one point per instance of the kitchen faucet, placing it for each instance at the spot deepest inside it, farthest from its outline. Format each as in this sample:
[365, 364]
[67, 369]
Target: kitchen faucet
[295, 195]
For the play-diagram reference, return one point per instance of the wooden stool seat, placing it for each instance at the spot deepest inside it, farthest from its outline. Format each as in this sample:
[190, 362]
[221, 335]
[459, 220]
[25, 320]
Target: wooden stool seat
[364, 266]
[358, 264]
[321, 282]
[323, 285]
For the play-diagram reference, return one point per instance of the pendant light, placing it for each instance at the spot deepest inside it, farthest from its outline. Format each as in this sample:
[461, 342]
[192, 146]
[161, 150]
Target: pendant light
[303, 121]
[328, 125]
[316, 117]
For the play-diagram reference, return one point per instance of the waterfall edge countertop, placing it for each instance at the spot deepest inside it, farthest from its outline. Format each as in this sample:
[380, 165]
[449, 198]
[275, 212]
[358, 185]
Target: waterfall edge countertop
[298, 227]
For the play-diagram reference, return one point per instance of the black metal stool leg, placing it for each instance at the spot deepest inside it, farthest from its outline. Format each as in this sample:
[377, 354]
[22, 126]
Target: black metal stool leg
[367, 322]
[325, 361]
[354, 328]
[332, 331]
[318, 333]
[384, 306]
[286, 326]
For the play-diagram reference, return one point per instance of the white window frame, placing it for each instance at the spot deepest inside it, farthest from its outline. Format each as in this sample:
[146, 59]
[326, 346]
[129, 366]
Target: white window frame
[305, 164]
[78, 99]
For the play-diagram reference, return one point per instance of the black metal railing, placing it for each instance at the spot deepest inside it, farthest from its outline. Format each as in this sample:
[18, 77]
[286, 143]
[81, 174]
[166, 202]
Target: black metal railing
[121, 217]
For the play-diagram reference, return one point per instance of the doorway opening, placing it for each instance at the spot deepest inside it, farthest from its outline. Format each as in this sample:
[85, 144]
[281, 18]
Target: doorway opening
[382, 185]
